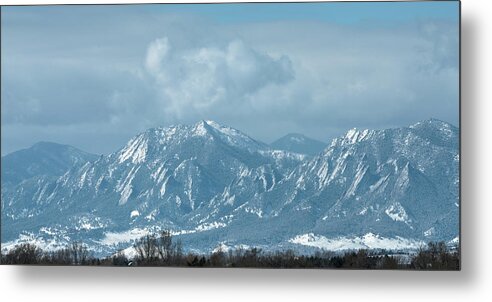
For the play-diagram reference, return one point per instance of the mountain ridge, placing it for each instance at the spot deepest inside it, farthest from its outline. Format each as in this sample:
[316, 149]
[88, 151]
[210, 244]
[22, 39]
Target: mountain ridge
[211, 184]
[42, 158]
[299, 143]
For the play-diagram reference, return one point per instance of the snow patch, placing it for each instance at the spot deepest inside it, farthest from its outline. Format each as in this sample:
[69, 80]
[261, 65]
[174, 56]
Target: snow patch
[429, 232]
[297, 139]
[368, 241]
[125, 188]
[257, 212]
[136, 149]
[455, 240]
[210, 226]
[397, 213]
[111, 238]
[58, 240]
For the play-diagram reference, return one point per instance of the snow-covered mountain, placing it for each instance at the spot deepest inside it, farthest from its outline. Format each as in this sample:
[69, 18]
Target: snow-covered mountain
[211, 184]
[299, 143]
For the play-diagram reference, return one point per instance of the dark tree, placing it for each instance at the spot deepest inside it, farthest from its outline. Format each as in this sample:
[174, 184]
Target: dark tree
[79, 253]
[165, 246]
[146, 249]
[25, 253]
[218, 258]
[436, 257]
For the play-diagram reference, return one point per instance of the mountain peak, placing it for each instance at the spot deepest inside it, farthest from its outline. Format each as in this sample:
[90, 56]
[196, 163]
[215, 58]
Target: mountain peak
[201, 128]
[50, 148]
[205, 126]
[46, 144]
[440, 132]
[212, 123]
[228, 134]
[433, 122]
[160, 139]
[42, 158]
[296, 137]
[298, 143]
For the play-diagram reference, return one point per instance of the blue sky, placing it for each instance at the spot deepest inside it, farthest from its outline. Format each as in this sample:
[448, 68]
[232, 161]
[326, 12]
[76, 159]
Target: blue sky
[94, 76]
[342, 13]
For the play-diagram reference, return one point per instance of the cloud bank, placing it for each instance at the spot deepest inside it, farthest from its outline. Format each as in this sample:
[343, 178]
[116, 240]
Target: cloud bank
[95, 84]
[194, 83]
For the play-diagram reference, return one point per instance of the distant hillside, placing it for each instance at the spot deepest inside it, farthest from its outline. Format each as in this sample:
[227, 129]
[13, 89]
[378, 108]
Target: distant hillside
[299, 143]
[42, 159]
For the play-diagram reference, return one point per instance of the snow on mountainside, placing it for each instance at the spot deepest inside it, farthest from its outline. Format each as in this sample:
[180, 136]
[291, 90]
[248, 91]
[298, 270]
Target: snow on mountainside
[211, 184]
[298, 143]
[368, 241]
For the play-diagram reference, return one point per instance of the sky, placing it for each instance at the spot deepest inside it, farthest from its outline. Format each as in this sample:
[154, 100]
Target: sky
[95, 76]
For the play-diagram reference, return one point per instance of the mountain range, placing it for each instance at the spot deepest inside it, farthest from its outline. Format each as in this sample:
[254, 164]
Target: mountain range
[212, 185]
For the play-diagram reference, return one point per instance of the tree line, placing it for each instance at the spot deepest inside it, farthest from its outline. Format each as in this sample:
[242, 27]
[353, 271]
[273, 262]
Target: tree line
[162, 250]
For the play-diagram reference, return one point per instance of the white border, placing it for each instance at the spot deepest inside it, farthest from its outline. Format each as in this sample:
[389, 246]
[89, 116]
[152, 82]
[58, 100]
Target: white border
[473, 283]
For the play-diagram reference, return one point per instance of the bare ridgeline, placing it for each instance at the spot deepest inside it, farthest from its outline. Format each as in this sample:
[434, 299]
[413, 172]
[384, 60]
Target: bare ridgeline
[209, 195]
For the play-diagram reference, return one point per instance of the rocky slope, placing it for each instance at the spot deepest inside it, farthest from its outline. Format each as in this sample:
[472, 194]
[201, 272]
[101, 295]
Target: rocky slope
[211, 184]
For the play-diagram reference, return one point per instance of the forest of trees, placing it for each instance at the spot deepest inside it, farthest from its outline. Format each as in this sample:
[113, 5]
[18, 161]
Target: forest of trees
[161, 250]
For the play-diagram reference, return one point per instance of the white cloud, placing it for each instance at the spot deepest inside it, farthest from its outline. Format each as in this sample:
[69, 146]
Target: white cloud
[197, 81]
[156, 52]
